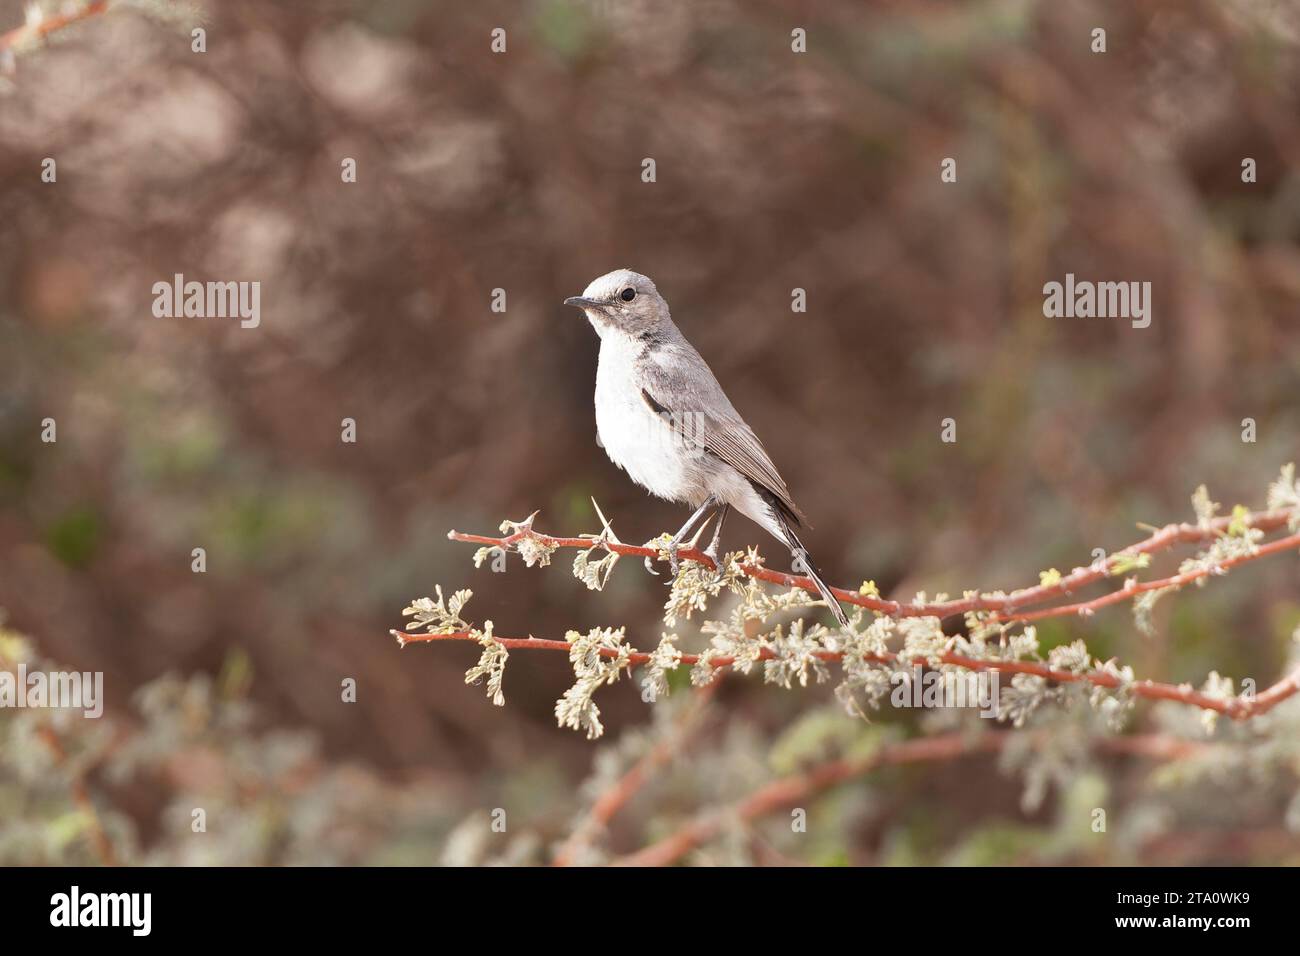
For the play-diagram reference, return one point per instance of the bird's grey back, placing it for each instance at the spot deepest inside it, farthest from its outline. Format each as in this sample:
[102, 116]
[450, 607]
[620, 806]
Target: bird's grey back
[677, 378]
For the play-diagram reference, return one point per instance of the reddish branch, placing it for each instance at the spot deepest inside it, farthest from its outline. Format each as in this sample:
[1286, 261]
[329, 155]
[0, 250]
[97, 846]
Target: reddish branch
[1238, 708]
[791, 790]
[1012, 607]
[1005, 608]
[38, 29]
[99, 840]
[1288, 543]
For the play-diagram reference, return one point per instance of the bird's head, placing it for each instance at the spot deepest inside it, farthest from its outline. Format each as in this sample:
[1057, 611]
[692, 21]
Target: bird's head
[622, 300]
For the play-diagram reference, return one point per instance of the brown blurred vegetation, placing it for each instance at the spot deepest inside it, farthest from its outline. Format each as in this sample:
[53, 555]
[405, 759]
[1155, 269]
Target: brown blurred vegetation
[521, 172]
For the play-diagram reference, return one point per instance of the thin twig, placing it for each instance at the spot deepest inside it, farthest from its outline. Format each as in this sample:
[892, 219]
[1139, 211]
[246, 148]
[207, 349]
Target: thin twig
[790, 790]
[1005, 608]
[625, 788]
[1238, 708]
[99, 840]
[1288, 543]
[38, 27]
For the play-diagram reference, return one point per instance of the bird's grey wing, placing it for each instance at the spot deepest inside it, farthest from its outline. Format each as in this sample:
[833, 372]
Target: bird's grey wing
[681, 385]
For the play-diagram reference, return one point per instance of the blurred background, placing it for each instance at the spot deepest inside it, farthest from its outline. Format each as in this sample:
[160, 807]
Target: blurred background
[521, 171]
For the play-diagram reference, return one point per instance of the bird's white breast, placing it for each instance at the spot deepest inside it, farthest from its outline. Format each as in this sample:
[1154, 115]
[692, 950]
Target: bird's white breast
[634, 437]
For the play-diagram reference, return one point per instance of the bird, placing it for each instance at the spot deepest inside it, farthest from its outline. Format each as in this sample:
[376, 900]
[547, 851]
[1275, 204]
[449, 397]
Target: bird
[662, 417]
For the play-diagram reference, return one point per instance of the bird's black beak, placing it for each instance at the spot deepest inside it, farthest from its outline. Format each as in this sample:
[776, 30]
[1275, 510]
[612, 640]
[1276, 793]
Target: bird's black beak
[583, 303]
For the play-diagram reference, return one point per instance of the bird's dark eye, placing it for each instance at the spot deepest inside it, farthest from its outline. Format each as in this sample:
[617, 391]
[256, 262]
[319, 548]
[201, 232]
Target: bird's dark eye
[628, 294]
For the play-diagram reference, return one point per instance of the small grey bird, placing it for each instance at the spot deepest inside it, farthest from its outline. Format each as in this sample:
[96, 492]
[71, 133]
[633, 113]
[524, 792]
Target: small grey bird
[662, 417]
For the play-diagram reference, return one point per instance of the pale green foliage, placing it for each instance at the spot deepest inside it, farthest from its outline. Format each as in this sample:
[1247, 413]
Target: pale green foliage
[873, 653]
[1205, 508]
[491, 664]
[703, 673]
[696, 583]
[1239, 527]
[865, 679]
[1264, 751]
[595, 574]
[270, 797]
[1050, 758]
[1125, 562]
[440, 616]
[664, 658]
[534, 551]
[1070, 657]
[822, 733]
[611, 762]
[577, 709]
[1220, 688]
[796, 655]
[1019, 700]
[732, 637]
[1114, 705]
[793, 653]
[1239, 541]
[1285, 493]
[1144, 606]
[923, 638]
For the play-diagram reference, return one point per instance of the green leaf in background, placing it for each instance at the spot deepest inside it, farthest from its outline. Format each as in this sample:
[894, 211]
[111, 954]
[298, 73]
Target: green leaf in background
[563, 27]
[74, 536]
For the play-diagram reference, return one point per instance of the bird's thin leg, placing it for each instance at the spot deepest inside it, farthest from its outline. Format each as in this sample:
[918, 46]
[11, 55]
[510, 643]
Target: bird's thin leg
[712, 549]
[680, 536]
[675, 542]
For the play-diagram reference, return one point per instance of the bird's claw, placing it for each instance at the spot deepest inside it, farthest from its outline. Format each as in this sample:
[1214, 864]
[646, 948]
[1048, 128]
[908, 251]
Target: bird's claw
[662, 545]
[673, 562]
[669, 548]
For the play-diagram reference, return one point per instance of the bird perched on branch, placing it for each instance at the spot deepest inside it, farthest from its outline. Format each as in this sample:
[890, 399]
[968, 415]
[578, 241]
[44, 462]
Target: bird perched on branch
[663, 418]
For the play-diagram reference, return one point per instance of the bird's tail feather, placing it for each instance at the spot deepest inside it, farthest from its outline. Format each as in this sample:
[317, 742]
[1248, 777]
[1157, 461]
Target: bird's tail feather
[796, 546]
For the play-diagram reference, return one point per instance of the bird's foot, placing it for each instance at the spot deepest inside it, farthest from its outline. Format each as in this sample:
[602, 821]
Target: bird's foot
[673, 563]
[669, 546]
[666, 549]
[663, 545]
[675, 544]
